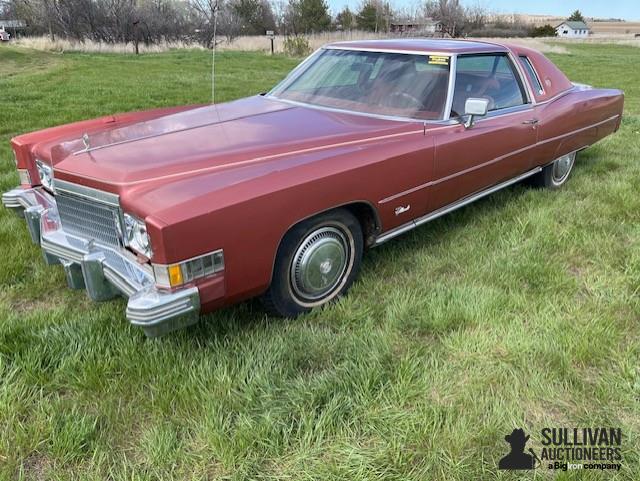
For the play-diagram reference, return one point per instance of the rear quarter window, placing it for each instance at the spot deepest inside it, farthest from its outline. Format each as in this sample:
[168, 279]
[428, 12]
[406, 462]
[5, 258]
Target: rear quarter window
[531, 74]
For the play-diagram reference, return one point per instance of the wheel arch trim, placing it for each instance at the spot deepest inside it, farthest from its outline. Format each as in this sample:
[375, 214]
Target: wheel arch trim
[369, 206]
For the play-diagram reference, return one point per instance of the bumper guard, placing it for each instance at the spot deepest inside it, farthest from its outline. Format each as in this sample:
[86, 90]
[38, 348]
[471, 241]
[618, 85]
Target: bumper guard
[105, 272]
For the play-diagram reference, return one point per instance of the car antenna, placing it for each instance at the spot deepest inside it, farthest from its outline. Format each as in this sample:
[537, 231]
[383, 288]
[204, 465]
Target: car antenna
[216, 7]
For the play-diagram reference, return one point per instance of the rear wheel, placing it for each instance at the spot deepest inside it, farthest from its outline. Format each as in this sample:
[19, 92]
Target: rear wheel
[554, 175]
[317, 262]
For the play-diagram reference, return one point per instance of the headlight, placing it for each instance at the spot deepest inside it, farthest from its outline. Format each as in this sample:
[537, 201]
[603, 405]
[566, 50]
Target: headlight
[45, 172]
[136, 235]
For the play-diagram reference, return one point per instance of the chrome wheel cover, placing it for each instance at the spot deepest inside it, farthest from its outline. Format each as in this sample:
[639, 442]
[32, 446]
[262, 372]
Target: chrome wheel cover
[562, 167]
[321, 264]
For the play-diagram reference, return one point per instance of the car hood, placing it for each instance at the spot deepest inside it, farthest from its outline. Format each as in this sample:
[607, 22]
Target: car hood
[204, 140]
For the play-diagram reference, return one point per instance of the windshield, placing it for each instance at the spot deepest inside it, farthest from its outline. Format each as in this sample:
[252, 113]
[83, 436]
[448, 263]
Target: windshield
[380, 83]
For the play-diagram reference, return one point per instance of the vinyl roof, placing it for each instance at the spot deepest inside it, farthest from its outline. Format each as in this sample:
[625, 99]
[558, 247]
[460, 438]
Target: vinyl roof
[423, 45]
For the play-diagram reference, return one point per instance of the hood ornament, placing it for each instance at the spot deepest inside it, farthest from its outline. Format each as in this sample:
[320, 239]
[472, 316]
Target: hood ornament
[85, 141]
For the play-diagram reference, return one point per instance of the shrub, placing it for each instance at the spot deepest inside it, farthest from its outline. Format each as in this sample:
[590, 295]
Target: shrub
[296, 46]
[502, 28]
[500, 32]
[543, 31]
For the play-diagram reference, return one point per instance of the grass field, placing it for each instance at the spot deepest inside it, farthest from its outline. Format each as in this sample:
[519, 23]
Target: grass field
[519, 311]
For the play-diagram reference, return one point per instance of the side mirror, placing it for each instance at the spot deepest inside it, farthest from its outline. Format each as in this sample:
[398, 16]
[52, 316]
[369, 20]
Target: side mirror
[474, 107]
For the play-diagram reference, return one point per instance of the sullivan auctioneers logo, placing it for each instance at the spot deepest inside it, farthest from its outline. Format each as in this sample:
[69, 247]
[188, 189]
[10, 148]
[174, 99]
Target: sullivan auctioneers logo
[566, 449]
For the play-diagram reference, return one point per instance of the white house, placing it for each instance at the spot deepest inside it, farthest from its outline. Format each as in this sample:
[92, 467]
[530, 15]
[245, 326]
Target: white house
[572, 30]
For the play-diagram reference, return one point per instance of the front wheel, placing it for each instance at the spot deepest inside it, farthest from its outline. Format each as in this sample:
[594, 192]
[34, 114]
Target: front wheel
[554, 175]
[317, 262]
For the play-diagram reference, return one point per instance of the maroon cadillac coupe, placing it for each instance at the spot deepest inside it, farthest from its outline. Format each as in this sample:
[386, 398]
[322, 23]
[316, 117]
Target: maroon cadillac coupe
[184, 210]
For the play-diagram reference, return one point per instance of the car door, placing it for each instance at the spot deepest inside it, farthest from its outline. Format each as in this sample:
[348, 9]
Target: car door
[495, 148]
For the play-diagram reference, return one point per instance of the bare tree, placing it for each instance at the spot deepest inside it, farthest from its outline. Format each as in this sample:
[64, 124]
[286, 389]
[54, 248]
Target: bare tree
[476, 18]
[450, 13]
[230, 23]
[148, 21]
[206, 11]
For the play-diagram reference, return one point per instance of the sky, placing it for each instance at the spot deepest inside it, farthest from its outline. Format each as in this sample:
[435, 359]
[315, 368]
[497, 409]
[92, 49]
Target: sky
[626, 9]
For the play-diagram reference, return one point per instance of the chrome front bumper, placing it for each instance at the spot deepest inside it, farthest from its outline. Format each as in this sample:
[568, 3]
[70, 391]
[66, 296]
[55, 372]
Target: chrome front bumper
[105, 272]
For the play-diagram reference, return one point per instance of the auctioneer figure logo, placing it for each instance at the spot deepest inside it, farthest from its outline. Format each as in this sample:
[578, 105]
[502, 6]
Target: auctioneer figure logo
[517, 458]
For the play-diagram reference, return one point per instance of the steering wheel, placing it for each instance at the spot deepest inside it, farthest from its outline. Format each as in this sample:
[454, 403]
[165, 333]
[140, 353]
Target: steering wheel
[407, 96]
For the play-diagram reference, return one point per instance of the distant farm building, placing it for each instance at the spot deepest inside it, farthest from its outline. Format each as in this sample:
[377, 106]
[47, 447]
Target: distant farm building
[573, 30]
[426, 27]
[10, 28]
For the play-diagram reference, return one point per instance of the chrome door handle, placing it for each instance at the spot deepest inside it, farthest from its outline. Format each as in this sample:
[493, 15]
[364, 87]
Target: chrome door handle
[530, 122]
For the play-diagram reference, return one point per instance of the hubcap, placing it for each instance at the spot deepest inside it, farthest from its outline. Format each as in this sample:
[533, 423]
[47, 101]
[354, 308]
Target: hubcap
[320, 263]
[562, 167]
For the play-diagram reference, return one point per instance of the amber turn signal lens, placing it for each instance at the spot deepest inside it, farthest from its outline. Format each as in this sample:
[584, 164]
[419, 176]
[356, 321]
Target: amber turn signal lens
[175, 275]
[25, 177]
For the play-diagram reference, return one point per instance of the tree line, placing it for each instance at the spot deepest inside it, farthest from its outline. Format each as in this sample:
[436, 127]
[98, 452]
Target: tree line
[153, 21]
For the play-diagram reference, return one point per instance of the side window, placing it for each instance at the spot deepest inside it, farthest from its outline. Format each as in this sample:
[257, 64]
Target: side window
[492, 77]
[531, 74]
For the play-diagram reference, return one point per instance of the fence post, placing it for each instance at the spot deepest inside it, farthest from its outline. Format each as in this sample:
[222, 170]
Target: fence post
[271, 34]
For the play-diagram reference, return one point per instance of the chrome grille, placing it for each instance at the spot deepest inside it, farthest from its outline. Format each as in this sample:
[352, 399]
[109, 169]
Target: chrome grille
[88, 219]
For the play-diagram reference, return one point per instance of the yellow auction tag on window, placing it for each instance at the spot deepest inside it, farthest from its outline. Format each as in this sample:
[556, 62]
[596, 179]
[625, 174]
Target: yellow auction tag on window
[438, 60]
